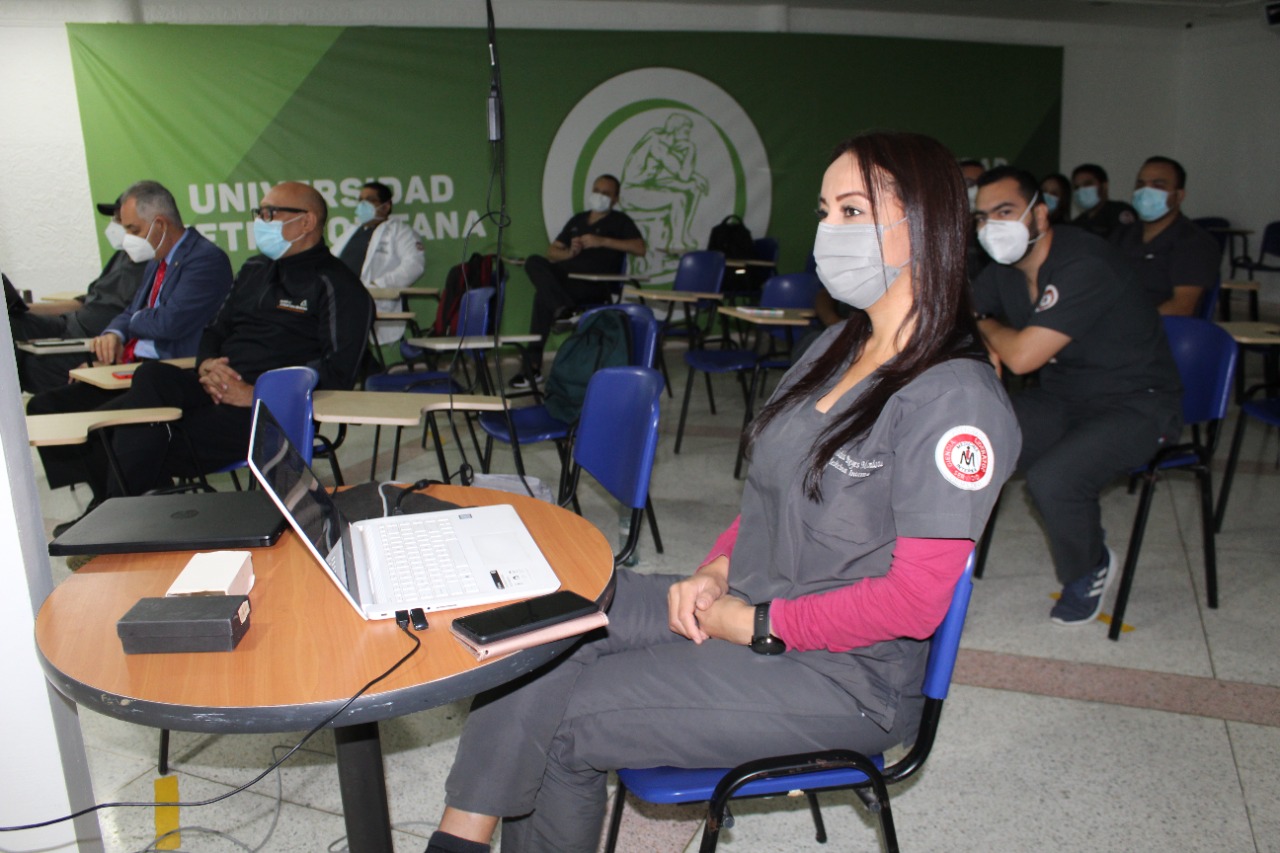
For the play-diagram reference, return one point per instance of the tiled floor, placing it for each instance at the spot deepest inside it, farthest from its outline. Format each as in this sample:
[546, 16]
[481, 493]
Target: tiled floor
[1053, 739]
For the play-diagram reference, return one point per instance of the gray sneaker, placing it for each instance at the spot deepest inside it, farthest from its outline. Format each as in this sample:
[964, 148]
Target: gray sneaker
[1081, 600]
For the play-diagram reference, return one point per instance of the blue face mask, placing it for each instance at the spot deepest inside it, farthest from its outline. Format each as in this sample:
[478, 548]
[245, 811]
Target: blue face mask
[365, 212]
[1150, 203]
[1087, 197]
[1050, 201]
[270, 238]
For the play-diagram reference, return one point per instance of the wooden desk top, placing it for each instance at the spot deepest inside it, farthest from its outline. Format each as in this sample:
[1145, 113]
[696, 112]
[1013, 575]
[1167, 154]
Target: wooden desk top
[670, 295]
[447, 344]
[307, 650]
[1253, 332]
[392, 408]
[401, 292]
[62, 296]
[783, 317]
[609, 277]
[69, 346]
[384, 316]
[74, 427]
[105, 376]
[742, 263]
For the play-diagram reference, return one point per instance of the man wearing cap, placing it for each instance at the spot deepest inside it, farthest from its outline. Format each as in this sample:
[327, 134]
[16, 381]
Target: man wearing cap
[85, 316]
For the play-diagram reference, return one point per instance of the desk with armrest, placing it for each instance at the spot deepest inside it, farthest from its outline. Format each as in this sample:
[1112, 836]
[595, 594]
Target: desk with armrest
[114, 377]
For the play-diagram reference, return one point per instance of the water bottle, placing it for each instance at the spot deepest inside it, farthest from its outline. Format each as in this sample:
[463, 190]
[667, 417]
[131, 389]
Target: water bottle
[624, 530]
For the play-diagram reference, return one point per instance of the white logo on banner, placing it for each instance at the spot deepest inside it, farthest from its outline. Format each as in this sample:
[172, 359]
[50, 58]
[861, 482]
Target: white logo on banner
[687, 155]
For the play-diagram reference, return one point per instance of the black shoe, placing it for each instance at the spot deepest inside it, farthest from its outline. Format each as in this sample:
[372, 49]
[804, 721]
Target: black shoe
[59, 529]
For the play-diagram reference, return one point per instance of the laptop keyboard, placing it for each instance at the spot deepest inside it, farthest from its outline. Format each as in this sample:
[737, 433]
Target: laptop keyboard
[422, 560]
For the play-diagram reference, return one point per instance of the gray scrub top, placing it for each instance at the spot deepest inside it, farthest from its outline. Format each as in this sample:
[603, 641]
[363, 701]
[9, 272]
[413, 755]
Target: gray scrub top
[931, 467]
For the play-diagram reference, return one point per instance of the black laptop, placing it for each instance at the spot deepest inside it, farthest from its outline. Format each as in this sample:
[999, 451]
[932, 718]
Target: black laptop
[190, 521]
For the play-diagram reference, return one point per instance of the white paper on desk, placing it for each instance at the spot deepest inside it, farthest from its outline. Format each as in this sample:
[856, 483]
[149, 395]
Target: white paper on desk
[215, 573]
[550, 634]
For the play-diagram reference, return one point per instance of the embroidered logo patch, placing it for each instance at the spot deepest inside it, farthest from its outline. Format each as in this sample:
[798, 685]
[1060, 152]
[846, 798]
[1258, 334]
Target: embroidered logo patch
[1048, 299]
[964, 458]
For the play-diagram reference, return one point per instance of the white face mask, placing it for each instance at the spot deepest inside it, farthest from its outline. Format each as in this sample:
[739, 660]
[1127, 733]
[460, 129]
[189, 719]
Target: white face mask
[850, 264]
[115, 234]
[599, 202]
[1006, 240]
[139, 249]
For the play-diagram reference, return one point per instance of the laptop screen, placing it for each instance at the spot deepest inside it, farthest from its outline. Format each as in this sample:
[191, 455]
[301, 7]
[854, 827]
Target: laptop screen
[283, 472]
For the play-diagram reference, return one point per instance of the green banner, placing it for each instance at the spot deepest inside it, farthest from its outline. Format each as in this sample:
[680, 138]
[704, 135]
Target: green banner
[697, 125]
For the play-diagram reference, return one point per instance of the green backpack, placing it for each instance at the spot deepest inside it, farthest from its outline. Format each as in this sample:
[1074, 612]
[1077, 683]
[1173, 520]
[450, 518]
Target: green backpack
[603, 339]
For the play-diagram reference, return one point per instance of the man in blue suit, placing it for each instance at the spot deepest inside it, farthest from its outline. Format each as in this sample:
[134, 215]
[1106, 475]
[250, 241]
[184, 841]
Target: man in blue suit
[185, 281]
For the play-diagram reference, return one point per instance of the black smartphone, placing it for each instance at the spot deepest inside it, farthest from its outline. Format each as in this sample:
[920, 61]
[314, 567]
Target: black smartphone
[509, 620]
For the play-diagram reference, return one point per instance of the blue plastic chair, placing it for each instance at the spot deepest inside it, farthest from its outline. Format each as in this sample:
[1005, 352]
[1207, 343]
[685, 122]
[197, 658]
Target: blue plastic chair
[814, 771]
[616, 440]
[794, 290]
[698, 272]
[1266, 410]
[1206, 358]
[533, 424]
[474, 320]
[286, 391]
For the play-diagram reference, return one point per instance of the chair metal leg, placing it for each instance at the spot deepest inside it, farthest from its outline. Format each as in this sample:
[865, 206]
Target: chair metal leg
[653, 523]
[1131, 555]
[1227, 476]
[711, 394]
[373, 459]
[439, 446]
[684, 408]
[615, 818]
[1205, 479]
[819, 826]
[235, 481]
[395, 453]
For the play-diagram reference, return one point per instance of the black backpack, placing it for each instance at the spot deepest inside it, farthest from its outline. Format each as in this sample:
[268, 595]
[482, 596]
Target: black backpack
[733, 238]
[478, 271]
[601, 340]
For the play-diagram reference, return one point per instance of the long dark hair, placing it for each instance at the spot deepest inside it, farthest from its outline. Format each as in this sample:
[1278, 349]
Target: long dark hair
[922, 174]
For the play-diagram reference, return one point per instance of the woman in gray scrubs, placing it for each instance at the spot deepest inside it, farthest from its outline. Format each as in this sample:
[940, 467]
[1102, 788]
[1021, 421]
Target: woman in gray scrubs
[874, 467]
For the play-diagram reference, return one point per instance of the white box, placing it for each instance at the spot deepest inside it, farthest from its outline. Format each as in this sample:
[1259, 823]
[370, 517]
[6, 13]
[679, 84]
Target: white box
[215, 573]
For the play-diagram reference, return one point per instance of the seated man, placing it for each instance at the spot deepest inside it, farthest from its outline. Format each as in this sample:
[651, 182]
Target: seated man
[1065, 303]
[1177, 261]
[296, 304]
[83, 317]
[185, 279]
[1098, 213]
[594, 241]
[384, 252]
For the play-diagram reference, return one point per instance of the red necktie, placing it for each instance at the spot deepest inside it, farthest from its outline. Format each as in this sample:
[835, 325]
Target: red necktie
[151, 303]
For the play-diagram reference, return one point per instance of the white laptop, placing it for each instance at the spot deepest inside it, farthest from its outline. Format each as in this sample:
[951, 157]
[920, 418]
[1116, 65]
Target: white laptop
[433, 560]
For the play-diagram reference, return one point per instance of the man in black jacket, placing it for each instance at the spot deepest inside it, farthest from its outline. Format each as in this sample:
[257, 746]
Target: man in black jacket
[296, 304]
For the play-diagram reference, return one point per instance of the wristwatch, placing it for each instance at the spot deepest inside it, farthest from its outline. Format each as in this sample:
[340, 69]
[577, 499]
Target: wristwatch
[762, 642]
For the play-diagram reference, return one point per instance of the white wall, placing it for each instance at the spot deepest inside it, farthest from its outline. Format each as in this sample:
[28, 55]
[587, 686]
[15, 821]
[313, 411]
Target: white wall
[1127, 93]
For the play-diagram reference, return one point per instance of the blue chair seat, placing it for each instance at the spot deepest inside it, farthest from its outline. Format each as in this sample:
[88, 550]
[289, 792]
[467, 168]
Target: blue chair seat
[532, 424]
[675, 785]
[421, 382]
[720, 360]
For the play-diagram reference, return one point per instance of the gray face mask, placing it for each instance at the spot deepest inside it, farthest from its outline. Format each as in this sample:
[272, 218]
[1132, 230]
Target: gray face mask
[850, 264]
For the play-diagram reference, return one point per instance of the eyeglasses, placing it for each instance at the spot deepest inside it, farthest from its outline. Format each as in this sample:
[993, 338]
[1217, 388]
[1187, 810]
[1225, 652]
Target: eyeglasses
[267, 212]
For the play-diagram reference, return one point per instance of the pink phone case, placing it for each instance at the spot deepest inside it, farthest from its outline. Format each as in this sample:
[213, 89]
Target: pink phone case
[572, 628]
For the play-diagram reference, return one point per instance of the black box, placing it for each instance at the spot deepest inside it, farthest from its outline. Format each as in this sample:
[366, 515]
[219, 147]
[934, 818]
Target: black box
[187, 623]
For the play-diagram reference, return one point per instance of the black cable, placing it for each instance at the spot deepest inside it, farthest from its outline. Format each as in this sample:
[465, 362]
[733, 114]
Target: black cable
[417, 644]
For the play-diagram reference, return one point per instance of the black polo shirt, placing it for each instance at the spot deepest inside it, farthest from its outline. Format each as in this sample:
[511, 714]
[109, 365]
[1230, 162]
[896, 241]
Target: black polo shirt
[1088, 292]
[1182, 254]
[1106, 219]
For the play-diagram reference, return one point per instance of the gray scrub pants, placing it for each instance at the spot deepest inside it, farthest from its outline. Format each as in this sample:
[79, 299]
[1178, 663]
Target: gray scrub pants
[537, 751]
[1072, 449]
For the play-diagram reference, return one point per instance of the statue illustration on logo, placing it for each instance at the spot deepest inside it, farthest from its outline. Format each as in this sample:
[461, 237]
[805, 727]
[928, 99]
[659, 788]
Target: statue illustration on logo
[661, 187]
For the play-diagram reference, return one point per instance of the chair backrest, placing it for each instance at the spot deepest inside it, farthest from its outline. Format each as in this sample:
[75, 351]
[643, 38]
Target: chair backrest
[644, 330]
[701, 271]
[1270, 240]
[1206, 357]
[286, 391]
[946, 639]
[792, 290]
[474, 312]
[1209, 299]
[617, 435]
